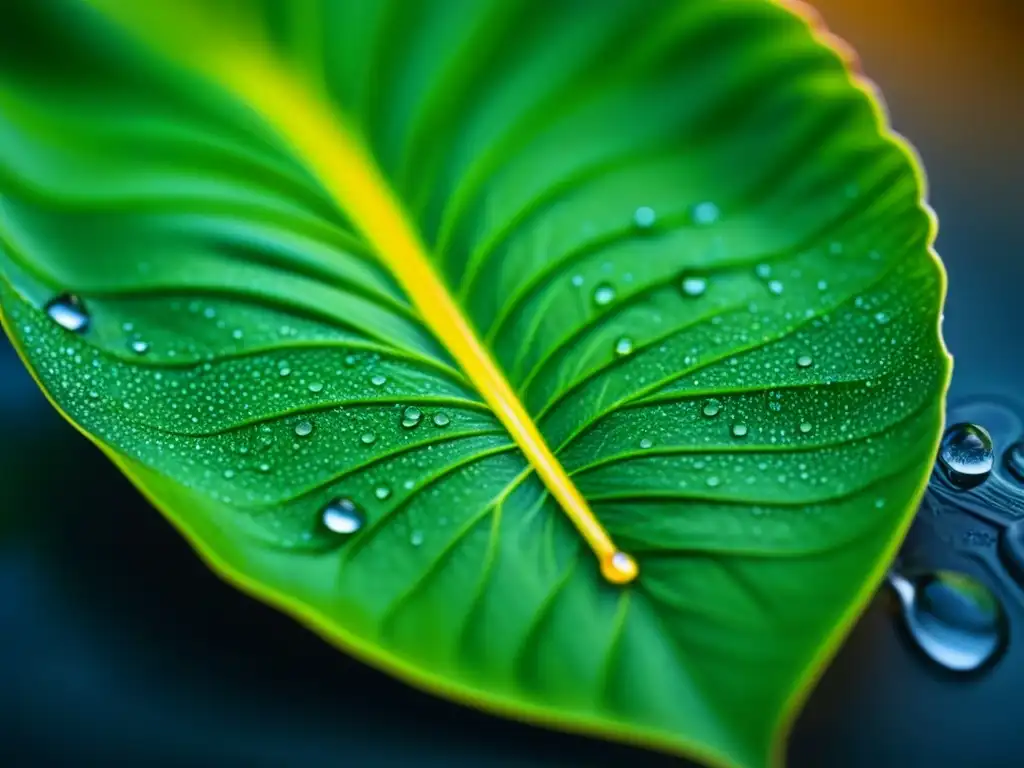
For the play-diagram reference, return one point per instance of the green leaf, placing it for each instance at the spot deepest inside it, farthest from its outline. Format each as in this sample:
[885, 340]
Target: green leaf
[504, 285]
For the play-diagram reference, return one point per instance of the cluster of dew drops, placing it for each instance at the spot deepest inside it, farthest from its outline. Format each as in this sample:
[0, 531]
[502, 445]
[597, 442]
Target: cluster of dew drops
[341, 517]
[953, 619]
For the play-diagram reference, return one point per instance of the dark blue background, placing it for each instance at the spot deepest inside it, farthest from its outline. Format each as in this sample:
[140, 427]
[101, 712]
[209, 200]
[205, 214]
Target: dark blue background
[118, 645]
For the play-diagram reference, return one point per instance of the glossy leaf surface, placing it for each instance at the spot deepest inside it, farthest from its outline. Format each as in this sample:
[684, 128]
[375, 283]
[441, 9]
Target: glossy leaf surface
[314, 273]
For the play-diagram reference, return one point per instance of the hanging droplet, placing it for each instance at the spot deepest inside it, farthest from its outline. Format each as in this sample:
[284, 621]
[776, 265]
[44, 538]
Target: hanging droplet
[711, 408]
[619, 568]
[441, 419]
[966, 455]
[1014, 460]
[69, 312]
[804, 361]
[740, 430]
[304, 428]
[704, 213]
[604, 295]
[624, 346]
[382, 492]
[694, 286]
[378, 380]
[342, 516]
[644, 217]
[368, 438]
[139, 347]
[411, 417]
[953, 618]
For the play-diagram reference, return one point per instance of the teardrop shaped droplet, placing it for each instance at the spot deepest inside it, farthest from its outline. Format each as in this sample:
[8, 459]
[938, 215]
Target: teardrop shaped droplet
[378, 380]
[411, 417]
[1014, 460]
[954, 619]
[804, 361]
[343, 517]
[966, 455]
[69, 312]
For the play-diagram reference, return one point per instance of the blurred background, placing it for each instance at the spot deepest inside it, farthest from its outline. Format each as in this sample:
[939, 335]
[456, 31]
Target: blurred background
[118, 646]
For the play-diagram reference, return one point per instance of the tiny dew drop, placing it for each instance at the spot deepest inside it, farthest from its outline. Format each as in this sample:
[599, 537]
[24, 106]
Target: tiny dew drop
[342, 516]
[416, 538]
[411, 417]
[69, 312]
[1014, 460]
[623, 346]
[382, 492]
[368, 438]
[316, 387]
[804, 361]
[139, 347]
[604, 295]
[441, 419]
[694, 286]
[966, 455]
[704, 213]
[775, 287]
[740, 430]
[952, 618]
[304, 428]
[711, 408]
[644, 217]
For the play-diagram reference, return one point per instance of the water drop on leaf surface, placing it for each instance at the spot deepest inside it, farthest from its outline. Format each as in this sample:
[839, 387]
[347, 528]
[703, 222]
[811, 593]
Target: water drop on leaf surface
[966, 455]
[68, 311]
[342, 516]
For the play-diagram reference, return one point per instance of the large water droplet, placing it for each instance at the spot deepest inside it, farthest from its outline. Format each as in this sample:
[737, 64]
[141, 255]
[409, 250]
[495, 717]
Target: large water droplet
[966, 455]
[411, 417]
[368, 438]
[1014, 460]
[954, 619]
[604, 295]
[342, 516]
[69, 312]
[740, 430]
[624, 346]
[441, 419]
[304, 428]
[694, 286]
[711, 408]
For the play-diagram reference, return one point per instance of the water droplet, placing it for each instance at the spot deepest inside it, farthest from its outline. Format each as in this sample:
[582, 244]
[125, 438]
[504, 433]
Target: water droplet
[623, 346]
[604, 295]
[775, 287]
[411, 417]
[228, 474]
[644, 217]
[69, 312]
[646, 443]
[953, 618]
[966, 455]
[368, 438]
[378, 380]
[316, 387]
[711, 408]
[416, 539]
[285, 371]
[382, 492]
[1014, 460]
[139, 347]
[740, 430]
[882, 318]
[694, 286]
[577, 280]
[804, 361]
[714, 481]
[704, 213]
[343, 516]
[822, 285]
[441, 419]
[619, 568]
[304, 428]
[806, 427]
[763, 270]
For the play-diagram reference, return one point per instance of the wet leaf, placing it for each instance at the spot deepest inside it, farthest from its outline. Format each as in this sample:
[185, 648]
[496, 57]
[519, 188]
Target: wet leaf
[404, 312]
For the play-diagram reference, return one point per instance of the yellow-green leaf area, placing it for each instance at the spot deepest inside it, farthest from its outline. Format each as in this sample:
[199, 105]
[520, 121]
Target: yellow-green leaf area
[403, 312]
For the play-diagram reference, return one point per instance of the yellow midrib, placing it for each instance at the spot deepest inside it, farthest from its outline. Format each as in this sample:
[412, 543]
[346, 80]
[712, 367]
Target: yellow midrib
[350, 175]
